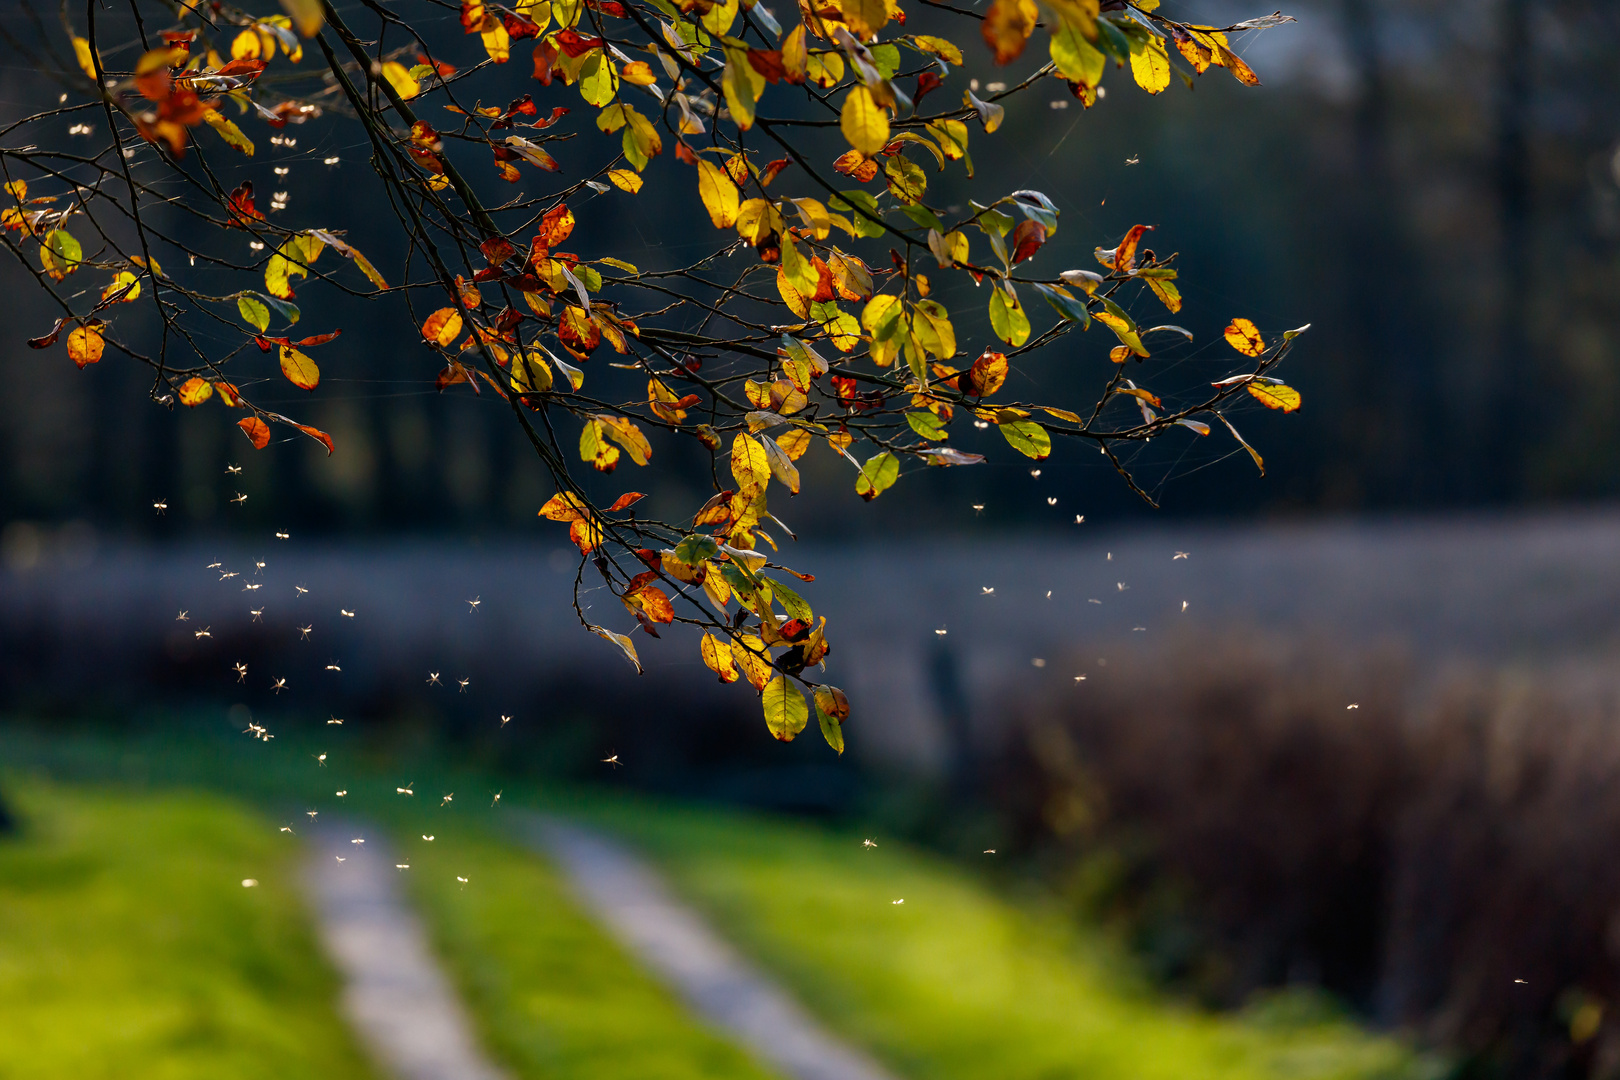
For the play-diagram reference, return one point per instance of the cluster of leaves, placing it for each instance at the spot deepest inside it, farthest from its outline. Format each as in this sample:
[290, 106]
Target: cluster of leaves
[806, 340]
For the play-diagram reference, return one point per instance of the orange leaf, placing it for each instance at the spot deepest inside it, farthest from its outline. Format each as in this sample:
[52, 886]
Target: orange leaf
[1027, 240]
[84, 345]
[257, 431]
[986, 375]
[1007, 27]
[195, 391]
[625, 501]
[556, 226]
[442, 327]
[319, 436]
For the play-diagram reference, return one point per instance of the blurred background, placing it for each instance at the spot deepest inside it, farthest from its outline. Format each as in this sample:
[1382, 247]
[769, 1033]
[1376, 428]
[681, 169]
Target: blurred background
[1349, 728]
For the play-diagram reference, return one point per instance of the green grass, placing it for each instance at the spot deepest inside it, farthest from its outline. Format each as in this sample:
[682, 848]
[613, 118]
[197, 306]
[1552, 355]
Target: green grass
[963, 980]
[959, 982]
[129, 947]
[554, 996]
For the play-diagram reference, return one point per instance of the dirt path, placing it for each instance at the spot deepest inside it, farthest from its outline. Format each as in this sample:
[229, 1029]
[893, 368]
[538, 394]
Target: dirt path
[628, 896]
[398, 1001]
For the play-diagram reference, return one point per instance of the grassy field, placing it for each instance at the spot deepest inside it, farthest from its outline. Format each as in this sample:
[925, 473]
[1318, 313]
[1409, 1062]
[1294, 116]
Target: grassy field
[962, 980]
[555, 998]
[129, 947]
[958, 982]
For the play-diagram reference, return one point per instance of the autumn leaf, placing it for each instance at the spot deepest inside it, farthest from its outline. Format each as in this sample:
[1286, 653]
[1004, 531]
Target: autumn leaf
[564, 506]
[719, 194]
[1007, 26]
[863, 122]
[442, 327]
[625, 501]
[832, 709]
[299, 368]
[1007, 318]
[749, 465]
[1275, 396]
[625, 645]
[1245, 337]
[195, 391]
[257, 431]
[718, 659]
[785, 710]
[1151, 66]
[643, 596]
[85, 345]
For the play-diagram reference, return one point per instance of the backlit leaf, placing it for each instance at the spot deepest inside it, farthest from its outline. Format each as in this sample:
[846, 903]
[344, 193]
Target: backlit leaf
[625, 645]
[1245, 337]
[299, 368]
[257, 431]
[625, 180]
[85, 345]
[195, 391]
[443, 327]
[1028, 438]
[1007, 318]
[785, 710]
[1275, 396]
[1007, 26]
[254, 313]
[718, 659]
[749, 464]
[719, 194]
[863, 122]
[1150, 66]
[877, 475]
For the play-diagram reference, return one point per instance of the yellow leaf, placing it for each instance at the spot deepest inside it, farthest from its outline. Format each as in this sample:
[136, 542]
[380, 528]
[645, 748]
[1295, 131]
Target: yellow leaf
[399, 77]
[1245, 337]
[794, 443]
[229, 131]
[124, 288]
[299, 368]
[625, 180]
[718, 659]
[749, 465]
[719, 194]
[742, 86]
[1151, 67]
[1275, 396]
[781, 464]
[306, 15]
[785, 710]
[497, 42]
[863, 122]
[247, 46]
[865, 17]
[750, 656]
[624, 643]
[81, 52]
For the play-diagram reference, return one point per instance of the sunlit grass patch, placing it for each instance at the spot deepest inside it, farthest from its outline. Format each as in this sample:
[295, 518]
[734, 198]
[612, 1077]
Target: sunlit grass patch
[959, 982]
[129, 947]
[553, 996]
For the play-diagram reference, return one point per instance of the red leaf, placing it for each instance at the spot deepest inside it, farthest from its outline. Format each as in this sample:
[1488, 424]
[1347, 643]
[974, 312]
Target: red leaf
[257, 431]
[767, 63]
[519, 26]
[576, 44]
[629, 498]
[773, 170]
[557, 114]
[241, 206]
[556, 226]
[545, 55]
[1027, 240]
[927, 81]
[318, 339]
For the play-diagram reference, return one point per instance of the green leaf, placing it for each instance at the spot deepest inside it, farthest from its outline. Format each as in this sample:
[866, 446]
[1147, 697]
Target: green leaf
[927, 425]
[791, 602]
[1066, 304]
[922, 215]
[877, 475]
[1028, 438]
[696, 548]
[254, 313]
[831, 731]
[785, 710]
[864, 225]
[1007, 318]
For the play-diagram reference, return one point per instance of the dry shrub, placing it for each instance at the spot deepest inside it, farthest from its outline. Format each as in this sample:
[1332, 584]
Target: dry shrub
[1419, 854]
